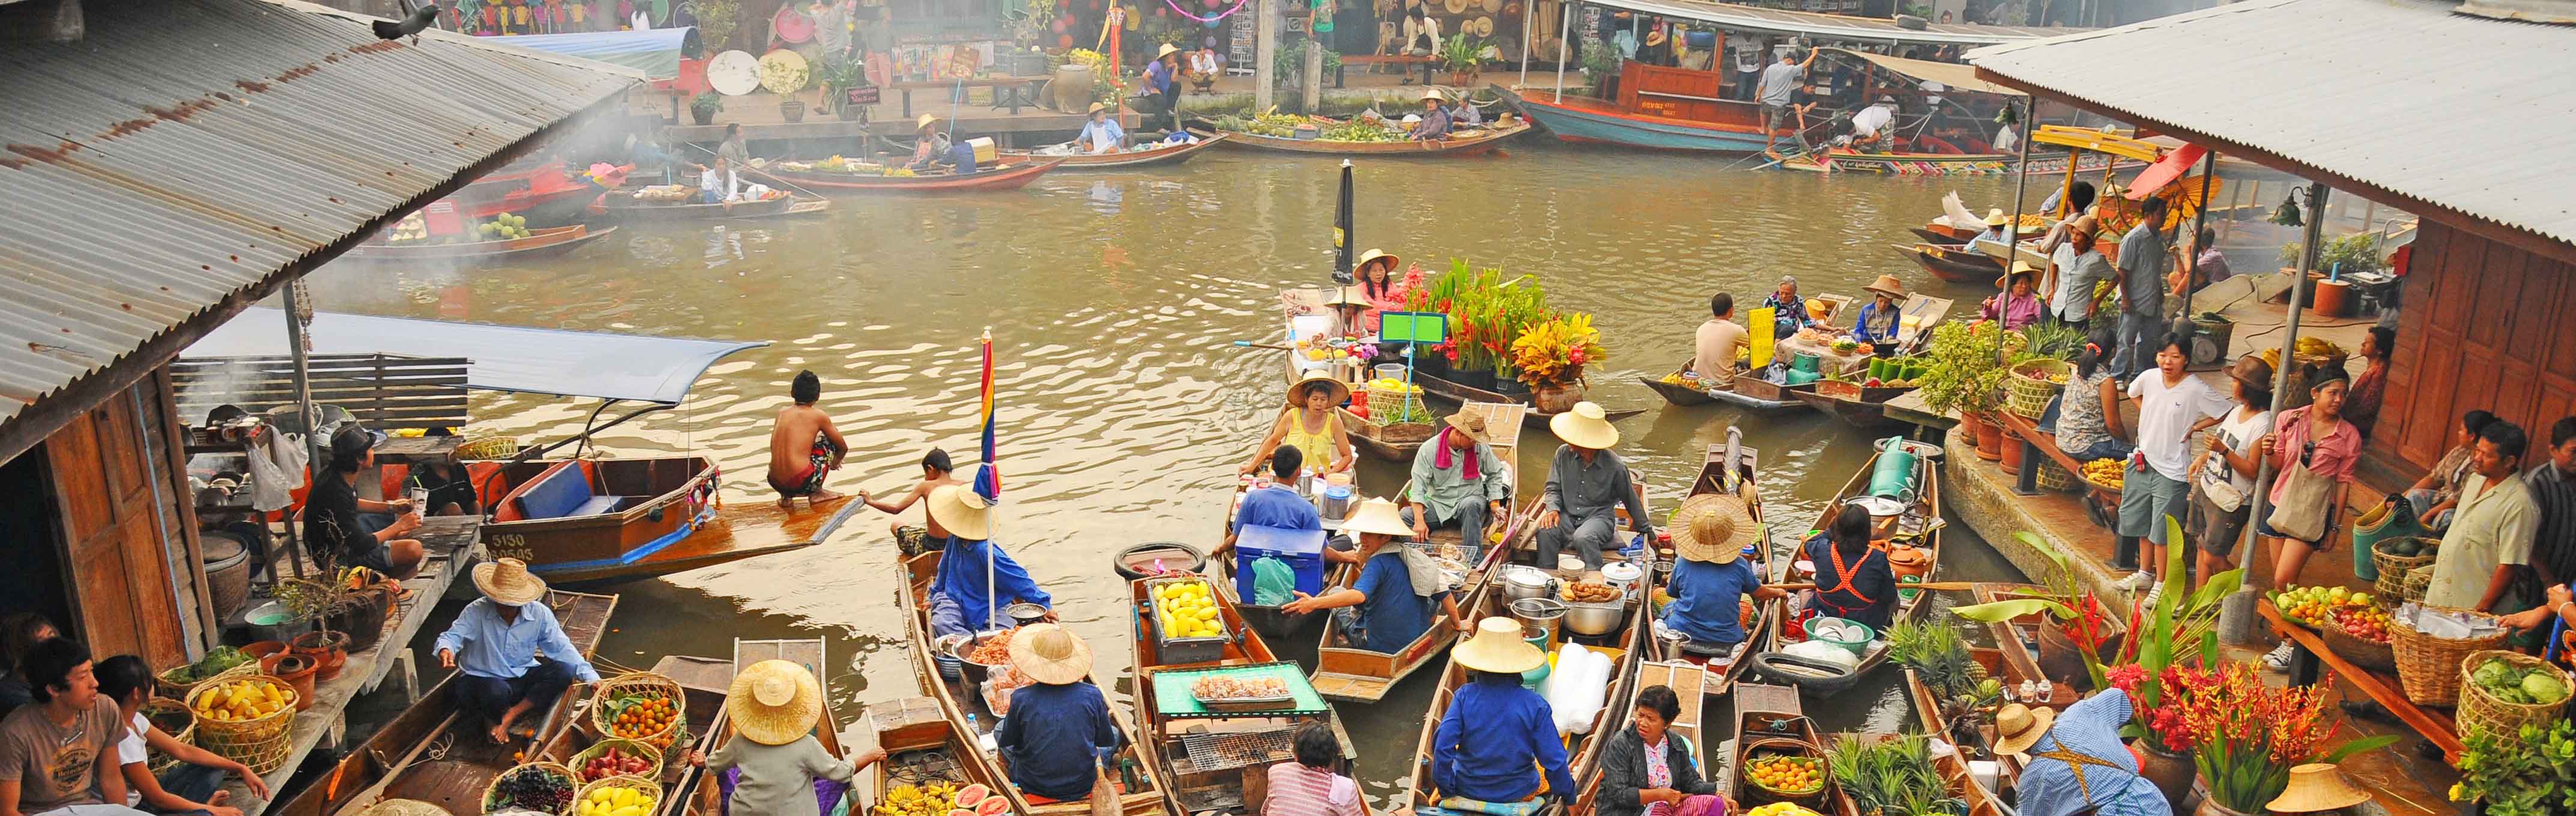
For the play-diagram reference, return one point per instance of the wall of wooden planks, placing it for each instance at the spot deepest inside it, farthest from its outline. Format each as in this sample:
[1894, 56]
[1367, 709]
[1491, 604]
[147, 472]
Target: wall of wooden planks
[2483, 325]
[117, 499]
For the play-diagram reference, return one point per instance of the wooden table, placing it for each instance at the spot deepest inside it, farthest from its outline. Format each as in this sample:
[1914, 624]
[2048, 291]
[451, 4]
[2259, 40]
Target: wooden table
[2436, 726]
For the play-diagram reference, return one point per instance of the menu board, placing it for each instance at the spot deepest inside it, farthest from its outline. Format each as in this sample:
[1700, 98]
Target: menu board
[1239, 39]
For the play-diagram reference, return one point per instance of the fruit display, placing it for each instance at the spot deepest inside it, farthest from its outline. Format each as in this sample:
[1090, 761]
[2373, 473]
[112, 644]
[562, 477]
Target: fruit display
[1846, 346]
[616, 761]
[617, 800]
[2106, 473]
[243, 700]
[1360, 131]
[1884, 372]
[411, 229]
[2309, 606]
[640, 715]
[1791, 775]
[1589, 592]
[1278, 125]
[1220, 688]
[1683, 379]
[1392, 385]
[2510, 683]
[1781, 809]
[941, 798]
[664, 194]
[993, 650]
[529, 787]
[1186, 609]
[2368, 623]
[504, 227]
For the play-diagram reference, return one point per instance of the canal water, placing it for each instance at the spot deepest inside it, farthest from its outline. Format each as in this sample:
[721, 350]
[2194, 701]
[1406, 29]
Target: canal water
[1113, 302]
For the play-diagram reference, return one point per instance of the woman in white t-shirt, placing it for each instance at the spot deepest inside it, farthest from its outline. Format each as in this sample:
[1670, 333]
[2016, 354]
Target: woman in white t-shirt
[2224, 473]
[195, 786]
[2173, 406]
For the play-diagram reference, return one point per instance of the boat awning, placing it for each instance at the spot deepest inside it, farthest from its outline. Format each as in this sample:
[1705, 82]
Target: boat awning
[655, 51]
[506, 358]
[1831, 27]
[1958, 77]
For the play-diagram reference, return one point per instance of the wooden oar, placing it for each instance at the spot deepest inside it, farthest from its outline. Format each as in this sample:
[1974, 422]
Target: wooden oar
[1250, 344]
[1936, 586]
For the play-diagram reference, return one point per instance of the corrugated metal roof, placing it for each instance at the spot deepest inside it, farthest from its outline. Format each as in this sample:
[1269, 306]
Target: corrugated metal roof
[183, 152]
[1958, 77]
[1830, 27]
[505, 358]
[2460, 112]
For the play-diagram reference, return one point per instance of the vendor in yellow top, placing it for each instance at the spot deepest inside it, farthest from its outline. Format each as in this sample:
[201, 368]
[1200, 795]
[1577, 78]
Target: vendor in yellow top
[1311, 424]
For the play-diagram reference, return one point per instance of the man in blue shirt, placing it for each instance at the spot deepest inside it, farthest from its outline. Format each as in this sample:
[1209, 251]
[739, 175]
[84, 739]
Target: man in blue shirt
[1395, 591]
[2076, 763]
[959, 594]
[1277, 505]
[496, 643]
[1515, 754]
[1102, 134]
[1059, 725]
[1709, 584]
[1435, 120]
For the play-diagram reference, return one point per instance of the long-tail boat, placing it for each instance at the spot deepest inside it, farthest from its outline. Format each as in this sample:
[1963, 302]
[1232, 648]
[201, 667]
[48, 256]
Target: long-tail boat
[1346, 672]
[617, 205]
[1727, 468]
[922, 748]
[1955, 778]
[1916, 523]
[540, 243]
[1465, 142]
[1768, 720]
[1204, 750]
[1004, 175]
[1161, 153]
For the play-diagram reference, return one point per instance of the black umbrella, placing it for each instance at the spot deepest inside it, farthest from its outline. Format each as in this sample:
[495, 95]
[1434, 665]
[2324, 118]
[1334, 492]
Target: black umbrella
[1342, 231]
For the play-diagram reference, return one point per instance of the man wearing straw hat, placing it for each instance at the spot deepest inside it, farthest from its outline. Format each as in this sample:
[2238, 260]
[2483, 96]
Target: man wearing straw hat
[1585, 483]
[1059, 725]
[1458, 483]
[959, 594]
[1395, 591]
[2076, 762]
[774, 706]
[1514, 755]
[496, 644]
[1710, 532]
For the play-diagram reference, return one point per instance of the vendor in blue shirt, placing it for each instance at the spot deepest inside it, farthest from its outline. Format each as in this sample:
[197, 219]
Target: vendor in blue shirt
[1397, 589]
[1708, 586]
[1880, 319]
[510, 654]
[1277, 505]
[959, 596]
[1059, 724]
[1853, 579]
[1102, 134]
[1514, 754]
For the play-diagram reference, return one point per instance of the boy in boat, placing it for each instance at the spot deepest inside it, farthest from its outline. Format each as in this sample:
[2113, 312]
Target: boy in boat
[913, 540]
[495, 645]
[804, 446]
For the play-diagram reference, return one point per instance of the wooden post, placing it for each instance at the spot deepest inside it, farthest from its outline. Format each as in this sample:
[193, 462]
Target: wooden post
[1265, 54]
[1313, 84]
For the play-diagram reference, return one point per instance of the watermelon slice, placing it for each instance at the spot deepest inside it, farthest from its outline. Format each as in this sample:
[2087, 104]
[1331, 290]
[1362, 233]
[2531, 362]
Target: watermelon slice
[961, 812]
[992, 806]
[970, 796]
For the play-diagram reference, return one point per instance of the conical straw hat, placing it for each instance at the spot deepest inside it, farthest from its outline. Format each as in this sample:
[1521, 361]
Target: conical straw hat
[2018, 727]
[1377, 516]
[1498, 647]
[962, 512]
[775, 702]
[1585, 426]
[1712, 527]
[2317, 786]
[507, 582]
[1050, 654]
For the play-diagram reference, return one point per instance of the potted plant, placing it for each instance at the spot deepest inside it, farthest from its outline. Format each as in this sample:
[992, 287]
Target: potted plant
[2528, 773]
[319, 599]
[703, 107]
[1961, 374]
[296, 671]
[1551, 355]
[1464, 56]
[784, 78]
[717, 20]
[2078, 629]
[838, 77]
[2243, 735]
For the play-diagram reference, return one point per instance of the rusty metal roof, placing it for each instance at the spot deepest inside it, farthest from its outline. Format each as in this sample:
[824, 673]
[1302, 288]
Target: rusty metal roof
[2458, 112]
[183, 153]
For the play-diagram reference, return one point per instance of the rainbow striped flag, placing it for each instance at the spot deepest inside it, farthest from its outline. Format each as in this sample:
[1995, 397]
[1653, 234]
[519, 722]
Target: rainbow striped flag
[988, 480]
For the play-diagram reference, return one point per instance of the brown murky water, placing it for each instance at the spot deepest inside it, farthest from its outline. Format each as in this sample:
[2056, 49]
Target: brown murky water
[1113, 300]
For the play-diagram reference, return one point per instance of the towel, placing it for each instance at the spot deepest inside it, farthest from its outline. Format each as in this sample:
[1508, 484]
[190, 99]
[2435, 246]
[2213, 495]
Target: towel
[1441, 461]
[1424, 572]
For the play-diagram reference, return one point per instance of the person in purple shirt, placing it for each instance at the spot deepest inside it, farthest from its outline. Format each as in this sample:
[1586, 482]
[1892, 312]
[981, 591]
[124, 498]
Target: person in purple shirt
[1158, 79]
[2019, 305]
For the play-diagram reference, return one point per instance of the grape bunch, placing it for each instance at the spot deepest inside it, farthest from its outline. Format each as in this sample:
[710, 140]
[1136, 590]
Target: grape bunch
[532, 789]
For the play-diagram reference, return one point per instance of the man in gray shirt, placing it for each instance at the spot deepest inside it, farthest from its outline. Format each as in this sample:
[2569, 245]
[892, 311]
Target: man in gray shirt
[1584, 485]
[2080, 265]
[2144, 261]
[1780, 86]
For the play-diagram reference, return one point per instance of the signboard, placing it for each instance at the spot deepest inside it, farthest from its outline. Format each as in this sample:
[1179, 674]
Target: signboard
[1424, 328]
[861, 95]
[1239, 40]
[1763, 325]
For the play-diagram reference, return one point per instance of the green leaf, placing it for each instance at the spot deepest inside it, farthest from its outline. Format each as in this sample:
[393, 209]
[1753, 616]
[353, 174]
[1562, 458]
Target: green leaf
[2218, 588]
[2033, 541]
[2000, 611]
[2359, 745]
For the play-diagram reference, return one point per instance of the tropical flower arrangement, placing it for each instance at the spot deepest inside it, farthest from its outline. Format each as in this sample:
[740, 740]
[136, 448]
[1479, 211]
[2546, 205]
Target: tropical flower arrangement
[1554, 351]
[1487, 313]
[2244, 736]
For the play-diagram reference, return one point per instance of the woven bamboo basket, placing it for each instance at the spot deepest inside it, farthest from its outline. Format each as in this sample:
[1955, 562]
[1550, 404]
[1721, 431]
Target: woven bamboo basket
[156, 708]
[1385, 406]
[2418, 581]
[2392, 572]
[2378, 657]
[652, 790]
[546, 767]
[487, 447]
[2028, 396]
[164, 686]
[2053, 477]
[403, 807]
[260, 743]
[2480, 710]
[633, 683]
[1757, 792]
[2429, 667]
[651, 755]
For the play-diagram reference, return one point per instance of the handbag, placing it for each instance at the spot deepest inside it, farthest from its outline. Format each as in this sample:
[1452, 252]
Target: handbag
[2302, 512]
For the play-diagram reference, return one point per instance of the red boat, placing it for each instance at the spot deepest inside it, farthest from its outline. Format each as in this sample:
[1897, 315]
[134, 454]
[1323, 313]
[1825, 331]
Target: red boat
[511, 179]
[1008, 175]
[541, 243]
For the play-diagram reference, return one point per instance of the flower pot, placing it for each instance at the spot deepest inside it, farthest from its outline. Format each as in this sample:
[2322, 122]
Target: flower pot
[1990, 437]
[1511, 386]
[296, 671]
[2171, 773]
[363, 622]
[1431, 364]
[2060, 660]
[792, 110]
[847, 112]
[326, 649]
[262, 649]
[2011, 454]
[1481, 379]
[2211, 807]
[702, 117]
[1558, 397]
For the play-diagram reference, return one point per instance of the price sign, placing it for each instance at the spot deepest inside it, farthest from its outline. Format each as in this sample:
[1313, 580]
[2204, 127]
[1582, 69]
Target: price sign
[862, 95]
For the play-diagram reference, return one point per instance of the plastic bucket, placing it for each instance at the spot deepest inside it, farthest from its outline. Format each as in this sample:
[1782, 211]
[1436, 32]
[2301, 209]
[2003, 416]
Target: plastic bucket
[1894, 476]
[2395, 519]
[1827, 622]
[1388, 371]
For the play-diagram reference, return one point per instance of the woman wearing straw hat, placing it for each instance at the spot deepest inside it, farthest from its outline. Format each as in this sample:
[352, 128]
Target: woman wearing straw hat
[1435, 119]
[1514, 755]
[2076, 762]
[960, 594]
[1882, 317]
[1059, 725]
[1458, 483]
[510, 654]
[929, 145]
[1101, 134]
[2018, 305]
[1310, 425]
[1379, 284]
[1158, 80]
[1395, 592]
[1708, 587]
[775, 705]
[1585, 483]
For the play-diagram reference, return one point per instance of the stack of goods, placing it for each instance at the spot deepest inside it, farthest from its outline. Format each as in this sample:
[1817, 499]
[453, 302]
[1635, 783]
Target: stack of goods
[1894, 775]
[537, 787]
[1275, 125]
[941, 799]
[619, 796]
[1395, 402]
[993, 650]
[1781, 809]
[1361, 130]
[616, 757]
[1219, 692]
[243, 700]
[1786, 776]
[504, 227]
[2360, 636]
[1187, 610]
[664, 194]
[2105, 473]
[1897, 373]
[247, 718]
[1589, 592]
[412, 228]
[640, 706]
[2312, 606]
[178, 682]
[2430, 644]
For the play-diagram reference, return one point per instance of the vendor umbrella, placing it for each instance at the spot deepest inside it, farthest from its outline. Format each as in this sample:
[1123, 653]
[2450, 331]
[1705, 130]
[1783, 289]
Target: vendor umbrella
[1342, 231]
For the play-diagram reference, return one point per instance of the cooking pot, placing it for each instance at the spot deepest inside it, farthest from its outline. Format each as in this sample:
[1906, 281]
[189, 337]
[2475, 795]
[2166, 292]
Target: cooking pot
[1594, 619]
[1521, 582]
[1621, 574]
[1540, 613]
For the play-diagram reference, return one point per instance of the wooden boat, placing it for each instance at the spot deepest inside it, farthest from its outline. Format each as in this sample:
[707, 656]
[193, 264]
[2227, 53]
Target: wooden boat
[1954, 777]
[1165, 154]
[922, 746]
[1855, 412]
[1737, 473]
[614, 206]
[1684, 395]
[437, 753]
[1345, 672]
[1206, 772]
[1956, 264]
[584, 520]
[1005, 175]
[545, 201]
[1768, 719]
[1917, 523]
[1727, 127]
[2016, 638]
[1450, 391]
[707, 682]
[1908, 163]
[1145, 795]
[515, 176]
[540, 243]
[1461, 143]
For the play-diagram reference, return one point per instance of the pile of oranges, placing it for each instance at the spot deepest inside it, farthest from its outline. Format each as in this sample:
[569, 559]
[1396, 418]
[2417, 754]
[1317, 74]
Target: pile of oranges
[1792, 775]
[643, 716]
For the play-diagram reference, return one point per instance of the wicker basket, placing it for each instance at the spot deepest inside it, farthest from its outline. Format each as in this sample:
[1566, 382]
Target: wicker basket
[260, 743]
[1756, 792]
[2053, 477]
[636, 783]
[2478, 709]
[2027, 396]
[2392, 572]
[548, 767]
[1385, 406]
[186, 734]
[633, 683]
[2429, 667]
[651, 754]
[487, 447]
[403, 807]
[163, 686]
[2418, 581]
[2378, 657]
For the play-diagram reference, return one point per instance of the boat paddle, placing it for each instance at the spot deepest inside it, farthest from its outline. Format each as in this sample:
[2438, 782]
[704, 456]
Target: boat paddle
[1936, 586]
[1250, 344]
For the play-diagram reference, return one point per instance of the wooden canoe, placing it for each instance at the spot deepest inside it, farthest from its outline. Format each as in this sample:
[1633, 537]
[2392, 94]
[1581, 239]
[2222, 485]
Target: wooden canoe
[1169, 154]
[1583, 751]
[616, 206]
[1684, 395]
[1346, 672]
[1451, 391]
[1147, 796]
[922, 746]
[434, 751]
[1955, 264]
[1762, 713]
[1210, 778]
[1743, 479]
[1955, 778]
[541, 243]
[665, 519]
[1918, 523]
[1856, 413]
[1006, 175]
[1472, 143]
[1933, 718]
[697, 793]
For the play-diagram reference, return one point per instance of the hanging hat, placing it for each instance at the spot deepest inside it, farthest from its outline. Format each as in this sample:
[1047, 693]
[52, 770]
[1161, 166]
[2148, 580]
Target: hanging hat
[1373, 256]
[2019, 268]
[1096, 107]
[507, 582]
[1887, 285]
[1377, 516]
[926, 121]
[2251, 370]
[1434, 94]
[2317, 786]
[1655, 36]
[1050, 654]
[2018, 727]
[1297, 390]
[1995, 217]
[1351, 295]
[1585, 426]
[774, 702]
[1886, 99]
[1712, 527]
[1498, 647]
[1471, 423]
[961, 511]
[1167, 50]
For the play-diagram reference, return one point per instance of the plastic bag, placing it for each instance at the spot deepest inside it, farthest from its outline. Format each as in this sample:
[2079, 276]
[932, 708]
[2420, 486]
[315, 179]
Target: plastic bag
[1273, 582]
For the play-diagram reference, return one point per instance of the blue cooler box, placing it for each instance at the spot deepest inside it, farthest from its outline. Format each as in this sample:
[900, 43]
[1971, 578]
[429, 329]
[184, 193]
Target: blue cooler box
[1302, 549]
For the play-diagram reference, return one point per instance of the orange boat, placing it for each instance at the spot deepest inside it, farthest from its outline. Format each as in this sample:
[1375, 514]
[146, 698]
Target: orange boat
[1007, 175]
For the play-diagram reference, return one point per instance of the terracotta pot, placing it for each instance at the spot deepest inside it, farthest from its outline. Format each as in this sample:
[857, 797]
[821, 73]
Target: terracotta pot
[2171, 773]
[2210, 807]
[1560, 397]
[262, 649]
[1990, 437]
[2060, 660]
[1906, 561]
[328, 653]
[2011, 453]
[296, 671]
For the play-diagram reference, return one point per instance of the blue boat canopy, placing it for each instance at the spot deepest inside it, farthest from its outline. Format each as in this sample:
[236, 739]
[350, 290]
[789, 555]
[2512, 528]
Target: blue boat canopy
[505, 358]
[654, 51]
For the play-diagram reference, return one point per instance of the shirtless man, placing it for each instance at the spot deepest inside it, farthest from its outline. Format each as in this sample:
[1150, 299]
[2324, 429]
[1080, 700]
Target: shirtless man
[935, 468]
[805, 446]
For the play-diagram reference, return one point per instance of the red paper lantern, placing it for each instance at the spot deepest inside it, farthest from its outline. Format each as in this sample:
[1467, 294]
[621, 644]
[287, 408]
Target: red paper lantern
[1059, 25]
[1064, 41]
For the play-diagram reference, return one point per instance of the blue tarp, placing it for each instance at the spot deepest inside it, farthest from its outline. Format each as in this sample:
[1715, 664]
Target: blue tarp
[505, 358]
[654, 51]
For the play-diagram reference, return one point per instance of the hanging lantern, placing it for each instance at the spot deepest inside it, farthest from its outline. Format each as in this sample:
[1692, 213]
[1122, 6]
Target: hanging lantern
[1064, 41]
[1058, 25]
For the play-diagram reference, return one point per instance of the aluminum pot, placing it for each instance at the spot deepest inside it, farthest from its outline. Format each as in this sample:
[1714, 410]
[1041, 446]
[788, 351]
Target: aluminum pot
[1543, 613]
[1521, 582]
[1594, 619]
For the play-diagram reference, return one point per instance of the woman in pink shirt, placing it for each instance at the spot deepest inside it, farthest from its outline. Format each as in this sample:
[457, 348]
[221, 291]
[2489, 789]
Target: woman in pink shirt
[1308, 786]
[2332, 446]
[1376, 273]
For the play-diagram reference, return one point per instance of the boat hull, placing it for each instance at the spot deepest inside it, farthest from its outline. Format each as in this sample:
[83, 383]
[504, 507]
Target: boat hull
[1485, 142]
[544, 243]
[675, 522]
[1125, 161]
[1575, 121]
[1005, 177]
[616, 207]
[1955, 265]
